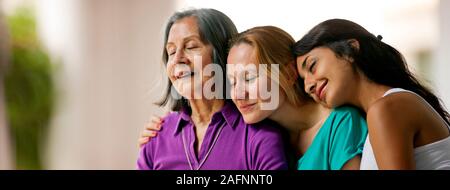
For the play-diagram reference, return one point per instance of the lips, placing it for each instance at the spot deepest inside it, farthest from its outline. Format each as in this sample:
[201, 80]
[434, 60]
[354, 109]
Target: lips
[320, 92]
[246, 107]
[183, 74]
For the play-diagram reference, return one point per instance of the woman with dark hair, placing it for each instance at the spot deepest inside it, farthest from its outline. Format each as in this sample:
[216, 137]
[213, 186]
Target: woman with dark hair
[206, 131]
[342, 63]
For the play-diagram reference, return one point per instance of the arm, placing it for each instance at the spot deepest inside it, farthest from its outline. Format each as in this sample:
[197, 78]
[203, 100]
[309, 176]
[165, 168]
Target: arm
[352, 164]
[349, 132]
[150, 131]
[144, 161]
[391, 135]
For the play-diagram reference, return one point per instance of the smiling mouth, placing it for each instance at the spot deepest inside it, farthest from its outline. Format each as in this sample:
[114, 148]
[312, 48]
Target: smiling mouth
[182, 75]
[246, 107]
[320, 93]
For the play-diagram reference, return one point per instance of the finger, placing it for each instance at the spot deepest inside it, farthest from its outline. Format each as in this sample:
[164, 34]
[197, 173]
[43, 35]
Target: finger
[142, 141]
[148, 133]
[153, 126]
[166, 113]
[156, 119]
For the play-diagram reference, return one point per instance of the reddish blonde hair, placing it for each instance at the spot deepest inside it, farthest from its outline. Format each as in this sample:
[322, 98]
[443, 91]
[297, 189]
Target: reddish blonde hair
[272, 45]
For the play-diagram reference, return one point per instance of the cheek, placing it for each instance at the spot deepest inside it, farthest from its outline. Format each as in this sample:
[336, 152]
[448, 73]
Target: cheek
[253, 90]
[341, 90]
[233, 93]
[199, 60]
[264, 88]
[343, 79]
[322, 72]
[206, 56]
[169, 69]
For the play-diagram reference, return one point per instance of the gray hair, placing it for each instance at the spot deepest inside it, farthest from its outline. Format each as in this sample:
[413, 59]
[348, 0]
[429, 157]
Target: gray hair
[216, 29]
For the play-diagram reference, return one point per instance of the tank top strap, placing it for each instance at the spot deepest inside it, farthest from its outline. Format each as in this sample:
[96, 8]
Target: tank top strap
[395, 90]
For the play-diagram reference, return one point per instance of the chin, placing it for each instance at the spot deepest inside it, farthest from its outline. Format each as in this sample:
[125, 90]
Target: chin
[185, 94]
[336, 99]
[324, 104]
[333, 104]
[251, 119]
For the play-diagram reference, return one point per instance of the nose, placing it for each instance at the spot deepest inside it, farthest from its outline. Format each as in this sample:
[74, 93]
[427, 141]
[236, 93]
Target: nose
[180, 57]
[239, 91]
[310, 85]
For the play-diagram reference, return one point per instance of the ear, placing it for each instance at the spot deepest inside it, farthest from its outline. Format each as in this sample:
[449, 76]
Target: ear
[354, 43]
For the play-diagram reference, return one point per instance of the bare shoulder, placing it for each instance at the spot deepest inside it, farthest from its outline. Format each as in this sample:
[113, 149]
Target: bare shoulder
[401, 110]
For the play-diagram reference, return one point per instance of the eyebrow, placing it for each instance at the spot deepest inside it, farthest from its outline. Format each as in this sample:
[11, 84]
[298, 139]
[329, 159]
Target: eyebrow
[169, 44]
[304, 62]
[189, 38]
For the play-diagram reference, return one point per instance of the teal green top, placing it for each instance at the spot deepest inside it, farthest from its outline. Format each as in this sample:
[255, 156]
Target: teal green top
[340, 138]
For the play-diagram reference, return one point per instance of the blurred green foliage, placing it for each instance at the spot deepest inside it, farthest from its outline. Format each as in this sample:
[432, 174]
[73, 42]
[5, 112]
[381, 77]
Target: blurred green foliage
[29, 90]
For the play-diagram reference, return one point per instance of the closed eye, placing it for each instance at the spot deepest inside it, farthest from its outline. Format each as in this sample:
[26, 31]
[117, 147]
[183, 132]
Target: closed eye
[232, 81]
[250, 78]
[190, 48]
[312, 66]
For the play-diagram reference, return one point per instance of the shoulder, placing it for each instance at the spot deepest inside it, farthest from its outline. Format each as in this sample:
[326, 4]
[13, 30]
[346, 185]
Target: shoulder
[264, 126]
[347, 111]
[396, 117]
[264, 129]
[347, 116]
[346, 133]
[172, 117]
[347, 121]
[168, 127]
[266, 148]
[398, 104]
[399, 109]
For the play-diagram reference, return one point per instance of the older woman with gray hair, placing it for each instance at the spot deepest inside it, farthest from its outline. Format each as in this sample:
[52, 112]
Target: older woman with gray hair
[206, 133]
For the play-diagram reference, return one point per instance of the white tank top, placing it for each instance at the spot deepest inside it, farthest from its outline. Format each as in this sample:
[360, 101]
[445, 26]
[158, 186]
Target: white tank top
[433, 156]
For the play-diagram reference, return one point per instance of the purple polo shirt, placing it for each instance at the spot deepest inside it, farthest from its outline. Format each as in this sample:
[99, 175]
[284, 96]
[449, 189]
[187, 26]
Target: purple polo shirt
[229, 144]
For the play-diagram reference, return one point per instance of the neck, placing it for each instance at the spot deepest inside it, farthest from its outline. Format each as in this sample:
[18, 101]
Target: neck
[203, 110]
[296, 118]
[368, 93]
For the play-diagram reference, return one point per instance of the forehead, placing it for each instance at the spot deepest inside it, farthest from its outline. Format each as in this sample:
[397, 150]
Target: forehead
[183, 28]
[315, 52]
[318, 51]
[241, 54]
[242, 58]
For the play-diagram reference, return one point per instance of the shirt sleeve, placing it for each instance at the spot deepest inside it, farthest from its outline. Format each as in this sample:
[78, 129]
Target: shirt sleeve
[267, 150]
[348, 137]
[144, 161]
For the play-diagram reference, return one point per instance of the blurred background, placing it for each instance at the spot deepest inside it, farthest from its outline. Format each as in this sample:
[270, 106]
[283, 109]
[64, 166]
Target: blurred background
[78, 78]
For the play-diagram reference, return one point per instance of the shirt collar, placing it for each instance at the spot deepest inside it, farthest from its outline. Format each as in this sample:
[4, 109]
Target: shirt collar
[229, 112]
